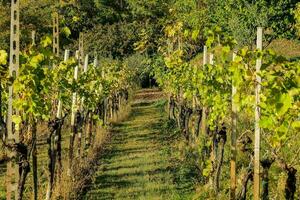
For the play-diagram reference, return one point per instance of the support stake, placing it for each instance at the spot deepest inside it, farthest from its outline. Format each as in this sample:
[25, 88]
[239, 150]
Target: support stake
[257, 119]
[56, 34]
[233, 141]
[13, 135]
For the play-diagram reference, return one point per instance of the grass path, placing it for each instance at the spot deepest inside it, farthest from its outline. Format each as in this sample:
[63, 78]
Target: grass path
[136, 164]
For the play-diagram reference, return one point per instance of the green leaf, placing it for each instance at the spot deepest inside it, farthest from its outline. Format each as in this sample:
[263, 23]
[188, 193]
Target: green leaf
[36, 59]
[284, 104]
[226, 49]
[3, 57]
[266, 122]
[220, 80]
[66, 31]
[207, 169]
[238, 59]
[296, 125]
[16, 119]
[195, 34]
[46, 41]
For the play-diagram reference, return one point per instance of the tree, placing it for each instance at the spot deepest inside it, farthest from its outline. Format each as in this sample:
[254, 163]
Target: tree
[36, 15]
[241, 18]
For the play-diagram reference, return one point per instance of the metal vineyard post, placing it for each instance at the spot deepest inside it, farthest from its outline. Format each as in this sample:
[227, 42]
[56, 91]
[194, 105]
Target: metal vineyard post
[13, 135]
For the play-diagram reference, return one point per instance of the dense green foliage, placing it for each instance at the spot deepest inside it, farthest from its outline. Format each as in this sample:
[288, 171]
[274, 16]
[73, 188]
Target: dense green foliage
[208, 88]
[120, 24]
[240, 18]
[138, 39]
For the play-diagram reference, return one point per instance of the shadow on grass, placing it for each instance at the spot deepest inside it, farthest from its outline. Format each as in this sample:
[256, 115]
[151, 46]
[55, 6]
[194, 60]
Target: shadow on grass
[142, 104]
[139, 154]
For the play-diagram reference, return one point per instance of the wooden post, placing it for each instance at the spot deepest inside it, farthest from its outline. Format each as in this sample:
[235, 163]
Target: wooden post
[33, 38]
[104, 110]
[74, 98]
[204, 108]
[257, 119]
[213, 153]
[59, 107]
[73, 120]
[80, 68]
[13, 136]
[96, 61]
[211, 59]
[205, 55]
[85, 68]
[233, 141]
[86, 63]
[81, 51]
[82, 133]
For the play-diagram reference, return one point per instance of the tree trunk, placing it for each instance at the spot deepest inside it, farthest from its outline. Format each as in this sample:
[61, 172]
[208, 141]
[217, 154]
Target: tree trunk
[246, 143]
[213, 154]
[203, 121]
[59, 150]
[1, 101]
[290, 184]
[91, 135]
[198, 122]
[179, 108]
[71, 151]
[3, 133]
[34, 161]
[266, 164]
[103, 111]
[89, 130]
[111, 107]
[24, 168]
[74, 132]
[242, 195]
[170, 108]
[291, 181]
[106, 110]
[222, 137]
[79, 128]
[51, 163]
[187, 117]
[181, 116]
[119, 102]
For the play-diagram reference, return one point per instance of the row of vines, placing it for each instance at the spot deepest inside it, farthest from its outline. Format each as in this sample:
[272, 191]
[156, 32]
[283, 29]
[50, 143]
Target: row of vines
[214, 103]
[70, 97]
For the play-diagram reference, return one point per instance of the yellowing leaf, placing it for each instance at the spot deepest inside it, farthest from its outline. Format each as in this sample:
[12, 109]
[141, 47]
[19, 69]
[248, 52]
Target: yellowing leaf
[296, 125]
[75, 19]
[3, 57]
[46, 41]
[66, 31]
[16, 119]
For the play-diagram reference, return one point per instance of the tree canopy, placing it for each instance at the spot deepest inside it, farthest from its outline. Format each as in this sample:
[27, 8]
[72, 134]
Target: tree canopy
[120, 27]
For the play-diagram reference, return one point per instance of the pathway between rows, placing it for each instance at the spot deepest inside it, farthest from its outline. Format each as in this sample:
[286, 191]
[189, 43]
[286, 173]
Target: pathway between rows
[136, 164]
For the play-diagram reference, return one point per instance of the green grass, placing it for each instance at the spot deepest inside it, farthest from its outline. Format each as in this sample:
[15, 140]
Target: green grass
[138, 162]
